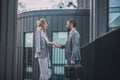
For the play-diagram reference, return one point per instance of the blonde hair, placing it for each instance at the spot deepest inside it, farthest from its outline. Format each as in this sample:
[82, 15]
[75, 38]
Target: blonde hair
[41, 23]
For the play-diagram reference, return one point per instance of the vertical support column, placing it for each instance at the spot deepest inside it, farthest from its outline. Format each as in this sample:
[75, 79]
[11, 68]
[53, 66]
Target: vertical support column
[98, 18]
[8, 9]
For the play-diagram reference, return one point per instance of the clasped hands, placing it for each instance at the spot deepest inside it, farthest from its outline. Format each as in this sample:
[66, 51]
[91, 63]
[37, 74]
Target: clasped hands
[56, 44]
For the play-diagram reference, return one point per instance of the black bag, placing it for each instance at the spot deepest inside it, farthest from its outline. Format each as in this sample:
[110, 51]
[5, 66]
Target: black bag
[73, 71]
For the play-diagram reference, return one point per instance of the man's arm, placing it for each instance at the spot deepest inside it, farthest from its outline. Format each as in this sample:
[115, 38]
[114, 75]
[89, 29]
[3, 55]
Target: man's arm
[75, 46]
[62, 46]
[59, 45]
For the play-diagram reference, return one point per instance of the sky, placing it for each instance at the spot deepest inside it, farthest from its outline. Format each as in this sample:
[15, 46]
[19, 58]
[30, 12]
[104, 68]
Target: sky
[36, 3]
[42, 4]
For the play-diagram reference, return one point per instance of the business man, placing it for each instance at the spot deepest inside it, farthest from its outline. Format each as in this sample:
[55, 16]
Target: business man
[72, 46]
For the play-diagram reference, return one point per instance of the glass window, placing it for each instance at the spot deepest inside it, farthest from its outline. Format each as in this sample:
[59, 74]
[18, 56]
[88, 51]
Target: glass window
[114, 14]
[27, 56]
[28, 39]
[58, 55]
[114, 3]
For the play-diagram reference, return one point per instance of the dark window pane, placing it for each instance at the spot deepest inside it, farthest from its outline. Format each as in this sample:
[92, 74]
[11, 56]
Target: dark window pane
[27, 56]
[114, 9]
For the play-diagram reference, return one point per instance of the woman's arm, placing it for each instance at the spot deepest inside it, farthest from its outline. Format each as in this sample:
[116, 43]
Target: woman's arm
[51, 43]
[57, 45]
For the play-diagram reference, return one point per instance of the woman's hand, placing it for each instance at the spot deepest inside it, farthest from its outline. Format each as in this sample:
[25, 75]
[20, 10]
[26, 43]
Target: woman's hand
[57, 45]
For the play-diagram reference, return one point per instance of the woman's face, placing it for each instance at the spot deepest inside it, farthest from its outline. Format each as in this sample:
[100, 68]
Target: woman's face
[38, 23]
[46, 25]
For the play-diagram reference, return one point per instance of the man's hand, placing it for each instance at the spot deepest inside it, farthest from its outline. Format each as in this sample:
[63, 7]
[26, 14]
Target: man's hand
[57, 45]
[72, 62]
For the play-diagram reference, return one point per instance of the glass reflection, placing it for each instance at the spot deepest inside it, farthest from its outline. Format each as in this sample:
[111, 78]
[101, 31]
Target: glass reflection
[114, 14]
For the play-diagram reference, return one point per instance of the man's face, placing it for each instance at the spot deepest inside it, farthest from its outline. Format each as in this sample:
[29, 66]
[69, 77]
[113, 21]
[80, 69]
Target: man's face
[68, 26]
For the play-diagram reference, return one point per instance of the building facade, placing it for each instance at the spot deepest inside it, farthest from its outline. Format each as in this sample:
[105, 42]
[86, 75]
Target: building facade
[26, 26]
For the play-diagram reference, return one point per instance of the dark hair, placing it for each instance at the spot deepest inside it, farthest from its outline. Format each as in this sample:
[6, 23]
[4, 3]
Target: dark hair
[47, 21]
[72, 22]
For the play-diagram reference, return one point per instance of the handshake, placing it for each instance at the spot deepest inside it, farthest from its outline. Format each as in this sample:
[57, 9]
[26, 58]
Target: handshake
[56, 44]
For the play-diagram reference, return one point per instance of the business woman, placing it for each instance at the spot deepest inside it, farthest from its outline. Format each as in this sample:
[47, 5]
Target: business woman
[42, 48]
